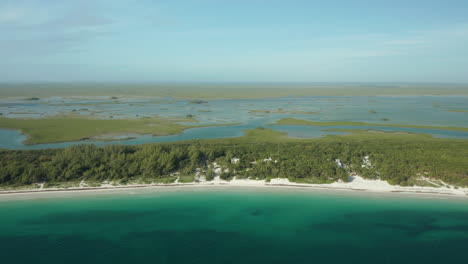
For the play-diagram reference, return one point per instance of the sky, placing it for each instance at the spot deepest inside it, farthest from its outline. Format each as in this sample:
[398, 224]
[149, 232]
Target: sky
[423, 41]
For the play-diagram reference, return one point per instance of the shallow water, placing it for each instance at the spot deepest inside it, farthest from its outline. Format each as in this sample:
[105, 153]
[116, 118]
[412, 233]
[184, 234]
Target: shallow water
[235, 226]
[414, 110]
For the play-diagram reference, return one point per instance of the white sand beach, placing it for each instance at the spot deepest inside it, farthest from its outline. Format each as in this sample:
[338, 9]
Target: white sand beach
[355, 183]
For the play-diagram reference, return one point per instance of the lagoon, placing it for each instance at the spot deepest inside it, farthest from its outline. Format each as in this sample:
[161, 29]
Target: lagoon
[249, 113]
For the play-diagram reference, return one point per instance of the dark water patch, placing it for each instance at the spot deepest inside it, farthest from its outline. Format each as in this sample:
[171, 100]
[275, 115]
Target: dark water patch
[60, 249]
[261, 212]
[197, 246]
[212, 246]
[410, 223]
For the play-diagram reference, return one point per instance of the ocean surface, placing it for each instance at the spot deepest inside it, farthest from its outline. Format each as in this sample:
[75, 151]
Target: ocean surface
[249, 113]
[233, 226]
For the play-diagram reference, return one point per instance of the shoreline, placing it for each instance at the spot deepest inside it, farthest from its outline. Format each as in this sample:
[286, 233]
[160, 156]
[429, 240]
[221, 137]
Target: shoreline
[359, 185]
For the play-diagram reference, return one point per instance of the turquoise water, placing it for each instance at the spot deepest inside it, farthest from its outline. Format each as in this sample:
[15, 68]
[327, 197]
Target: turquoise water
[233, 226]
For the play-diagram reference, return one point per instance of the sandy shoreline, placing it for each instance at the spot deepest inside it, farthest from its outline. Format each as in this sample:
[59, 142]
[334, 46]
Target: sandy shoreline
[357, 184]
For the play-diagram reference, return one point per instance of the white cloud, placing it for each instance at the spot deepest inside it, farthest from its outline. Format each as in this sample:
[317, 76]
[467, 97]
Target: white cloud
[10, 15]
[29, 30]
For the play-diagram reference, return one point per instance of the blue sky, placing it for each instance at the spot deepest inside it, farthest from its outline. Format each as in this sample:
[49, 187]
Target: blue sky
[234, 40]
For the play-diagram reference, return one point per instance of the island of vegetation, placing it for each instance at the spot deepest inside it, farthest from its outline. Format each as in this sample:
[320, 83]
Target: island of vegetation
[301, 122]
[403, 159]
[281, 111]
[63, 129]
[457, 111]
[198, 102]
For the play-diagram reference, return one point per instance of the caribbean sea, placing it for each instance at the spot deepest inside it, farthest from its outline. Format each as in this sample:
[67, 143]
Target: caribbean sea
[233, 226]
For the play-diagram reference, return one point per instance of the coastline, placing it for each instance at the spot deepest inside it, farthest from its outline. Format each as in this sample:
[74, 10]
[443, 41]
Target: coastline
[358, 185]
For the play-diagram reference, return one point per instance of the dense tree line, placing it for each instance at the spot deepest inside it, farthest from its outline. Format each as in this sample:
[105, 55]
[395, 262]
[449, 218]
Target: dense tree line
[312, 162]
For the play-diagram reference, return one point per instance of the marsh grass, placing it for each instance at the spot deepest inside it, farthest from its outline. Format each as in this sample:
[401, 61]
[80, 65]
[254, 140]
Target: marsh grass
[457, 111]
[295, 121]
[63, 129]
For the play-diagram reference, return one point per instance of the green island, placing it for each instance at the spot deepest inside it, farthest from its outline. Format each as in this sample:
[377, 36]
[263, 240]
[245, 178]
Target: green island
[198, 102]
[350, 130]
[404, 159]
[301, 122]
[457, 111]
[72, 128]
[281, 111]
[87, 104]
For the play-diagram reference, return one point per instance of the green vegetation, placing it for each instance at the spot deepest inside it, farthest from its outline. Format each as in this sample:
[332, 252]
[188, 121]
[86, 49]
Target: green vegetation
[282, 111]
[399, 159]
[87, 104]
[366, 131]
[21, 113]
[224, 91]
[198, 102]
[457, 111]
[62, 129]
[295, 121]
